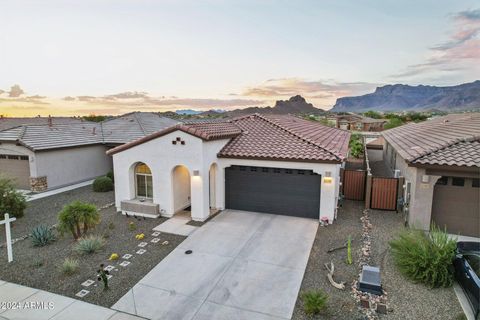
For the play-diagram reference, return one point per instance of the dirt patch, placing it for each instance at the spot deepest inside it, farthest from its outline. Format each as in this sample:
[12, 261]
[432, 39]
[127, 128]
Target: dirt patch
[39, 267]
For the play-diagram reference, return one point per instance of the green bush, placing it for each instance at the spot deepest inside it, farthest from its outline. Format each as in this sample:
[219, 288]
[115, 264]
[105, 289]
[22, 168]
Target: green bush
[11, 201]
[425, 258]
[75, 215]
[356, 145]
[314, 301]
[89, 244]
[393, 123]
[110, 175]
[42, 235]
[102, 184]
[69, 266]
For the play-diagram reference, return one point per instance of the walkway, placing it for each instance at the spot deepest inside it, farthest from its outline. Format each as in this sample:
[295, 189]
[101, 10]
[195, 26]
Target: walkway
[35, 196]
[243, 265]
[32, 304]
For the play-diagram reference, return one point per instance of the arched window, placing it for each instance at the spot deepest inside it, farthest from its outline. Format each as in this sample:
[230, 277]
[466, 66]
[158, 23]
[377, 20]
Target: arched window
[143, 179]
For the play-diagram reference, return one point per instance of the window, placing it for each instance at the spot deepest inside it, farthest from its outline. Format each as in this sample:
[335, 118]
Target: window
[301, 172]
[476, 183]
[264, 169]
[23, 157]
[253, 168]
[143, 180]
[443, 181]
[12, 157]
[289, 171]
[459, 182]
[3, 156]
[276, 170]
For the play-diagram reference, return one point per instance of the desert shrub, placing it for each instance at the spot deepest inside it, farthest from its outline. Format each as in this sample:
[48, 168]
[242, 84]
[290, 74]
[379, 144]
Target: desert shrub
[111, 225]
[69, 266]
[77, 217]
[37, 262]
[425, 258]
[110, 175]
[42, 235]
[11, 201]
[314, 301]
[102, 184]
[90, 244]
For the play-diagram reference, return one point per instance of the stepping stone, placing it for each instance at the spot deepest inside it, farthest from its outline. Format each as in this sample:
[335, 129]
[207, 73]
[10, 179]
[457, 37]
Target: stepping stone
[142, 244]
[88, 283]
[141, 251]
[155, 240]
[165, 242]
[125, 263]
[156, 234]
[82, 293]
[109, 268]
[126, 256]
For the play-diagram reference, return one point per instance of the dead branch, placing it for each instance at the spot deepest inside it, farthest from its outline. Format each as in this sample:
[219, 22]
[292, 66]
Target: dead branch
[331, 270]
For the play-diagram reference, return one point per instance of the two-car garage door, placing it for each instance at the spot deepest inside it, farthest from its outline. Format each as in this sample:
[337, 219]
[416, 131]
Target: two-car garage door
[273, 190]
[17, 168]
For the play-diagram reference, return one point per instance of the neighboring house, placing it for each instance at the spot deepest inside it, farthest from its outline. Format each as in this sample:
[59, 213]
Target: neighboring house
[59, 153]
[355, 122]
[274, 164]
[440, 160]
[12, 122]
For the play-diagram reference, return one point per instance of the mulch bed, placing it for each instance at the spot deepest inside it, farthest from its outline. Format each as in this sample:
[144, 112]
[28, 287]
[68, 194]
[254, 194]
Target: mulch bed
[39, 267]
[406, 300]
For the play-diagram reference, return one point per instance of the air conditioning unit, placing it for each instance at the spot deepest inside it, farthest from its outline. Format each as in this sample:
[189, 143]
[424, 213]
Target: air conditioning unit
[396, 174]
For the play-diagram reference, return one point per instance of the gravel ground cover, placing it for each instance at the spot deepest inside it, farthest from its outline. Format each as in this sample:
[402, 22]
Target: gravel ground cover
[39, 267]
[406, 300]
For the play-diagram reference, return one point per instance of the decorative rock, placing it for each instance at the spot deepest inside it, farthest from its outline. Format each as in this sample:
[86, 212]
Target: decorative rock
[382, 308]
[88, 283]
[365, 303]
[82, 293]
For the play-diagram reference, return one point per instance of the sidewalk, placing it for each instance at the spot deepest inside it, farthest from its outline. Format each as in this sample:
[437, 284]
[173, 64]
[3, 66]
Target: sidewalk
[20, 302]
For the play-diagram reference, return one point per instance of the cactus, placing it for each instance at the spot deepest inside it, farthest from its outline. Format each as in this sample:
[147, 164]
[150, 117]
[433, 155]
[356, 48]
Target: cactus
[140, 236]
[102, 276]
[113, 256]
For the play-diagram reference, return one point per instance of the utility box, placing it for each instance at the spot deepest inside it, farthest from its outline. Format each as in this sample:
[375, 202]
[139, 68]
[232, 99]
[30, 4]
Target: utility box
[370, 280]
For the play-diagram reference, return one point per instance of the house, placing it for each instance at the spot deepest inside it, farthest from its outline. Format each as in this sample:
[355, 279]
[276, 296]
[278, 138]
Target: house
[12, 122]
[59, 152]
[274, 164]
[355, 122]
[440, 160]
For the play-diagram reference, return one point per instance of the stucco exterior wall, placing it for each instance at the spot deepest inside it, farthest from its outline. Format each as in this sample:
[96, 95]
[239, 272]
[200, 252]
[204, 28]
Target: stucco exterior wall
[181, 188]
[68, 166]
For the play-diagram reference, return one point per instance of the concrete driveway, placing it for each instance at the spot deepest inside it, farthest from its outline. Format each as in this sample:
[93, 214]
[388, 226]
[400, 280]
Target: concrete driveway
[244, 265]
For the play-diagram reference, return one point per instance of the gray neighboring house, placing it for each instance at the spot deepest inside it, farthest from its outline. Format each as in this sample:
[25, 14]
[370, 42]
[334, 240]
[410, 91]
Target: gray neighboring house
[59, 152]
[440, 160]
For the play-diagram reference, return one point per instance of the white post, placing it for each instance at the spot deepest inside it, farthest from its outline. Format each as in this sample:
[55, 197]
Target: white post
[7, 221]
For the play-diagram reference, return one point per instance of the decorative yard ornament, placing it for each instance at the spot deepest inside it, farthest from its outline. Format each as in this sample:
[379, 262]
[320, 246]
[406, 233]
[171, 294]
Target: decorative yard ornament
[6, 221]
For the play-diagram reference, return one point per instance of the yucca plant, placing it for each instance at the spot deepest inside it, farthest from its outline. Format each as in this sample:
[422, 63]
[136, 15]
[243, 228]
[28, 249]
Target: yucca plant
[76, 215]
[90, 244]
[69, 266]
[425, 258]
[42, 235]
[314, 301]
[349, 250]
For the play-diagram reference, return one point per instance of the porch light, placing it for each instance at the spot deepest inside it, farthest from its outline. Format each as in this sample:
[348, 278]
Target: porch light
[327, 178]
[196, 173]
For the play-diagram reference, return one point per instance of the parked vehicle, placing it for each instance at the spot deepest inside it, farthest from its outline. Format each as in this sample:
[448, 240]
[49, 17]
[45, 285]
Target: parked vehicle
[467, 272]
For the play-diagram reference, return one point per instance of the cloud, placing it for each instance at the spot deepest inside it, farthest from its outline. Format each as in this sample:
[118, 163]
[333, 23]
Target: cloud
[323, 91]
[460, 52]
[15, 91]
[128, 95]
[36, 97]
[69, 98]
[86, 98]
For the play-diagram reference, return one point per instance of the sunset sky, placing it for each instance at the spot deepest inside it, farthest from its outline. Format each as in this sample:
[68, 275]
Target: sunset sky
[112, 57]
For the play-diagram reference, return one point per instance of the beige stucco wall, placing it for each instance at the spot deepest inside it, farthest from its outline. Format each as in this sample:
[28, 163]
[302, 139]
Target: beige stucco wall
[71, 165]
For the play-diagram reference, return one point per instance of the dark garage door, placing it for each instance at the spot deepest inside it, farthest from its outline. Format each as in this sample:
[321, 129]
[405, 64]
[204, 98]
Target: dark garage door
[273, 190]
[456, 205]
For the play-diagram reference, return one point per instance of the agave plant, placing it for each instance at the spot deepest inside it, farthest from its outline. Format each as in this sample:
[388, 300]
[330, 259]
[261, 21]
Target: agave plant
[42, 235]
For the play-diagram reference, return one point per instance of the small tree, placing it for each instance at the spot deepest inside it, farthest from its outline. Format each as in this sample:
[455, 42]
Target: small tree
[11, 201]
[76, 214]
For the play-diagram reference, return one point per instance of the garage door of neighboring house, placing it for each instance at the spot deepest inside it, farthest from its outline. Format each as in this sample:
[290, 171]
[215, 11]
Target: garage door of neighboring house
[456, 205]
[17, 168]
[273, 190]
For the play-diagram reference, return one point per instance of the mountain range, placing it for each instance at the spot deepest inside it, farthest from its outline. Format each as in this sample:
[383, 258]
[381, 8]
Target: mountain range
[400, 97]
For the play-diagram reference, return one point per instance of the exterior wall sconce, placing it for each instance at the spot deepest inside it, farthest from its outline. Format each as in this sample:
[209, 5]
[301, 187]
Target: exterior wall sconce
[327, 178]
[196, 173]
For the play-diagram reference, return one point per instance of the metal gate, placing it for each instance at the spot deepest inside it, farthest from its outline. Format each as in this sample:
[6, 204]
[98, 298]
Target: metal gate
[384, 193]
[354, 184]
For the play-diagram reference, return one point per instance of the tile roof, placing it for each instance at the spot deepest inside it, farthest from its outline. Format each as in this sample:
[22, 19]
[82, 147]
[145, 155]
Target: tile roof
[119, 130]
[204, 130]
[8, 123]
[435, 141]
[267, 138]
[460, 154]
